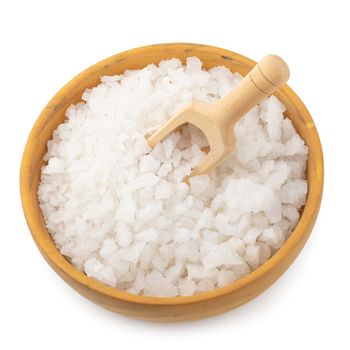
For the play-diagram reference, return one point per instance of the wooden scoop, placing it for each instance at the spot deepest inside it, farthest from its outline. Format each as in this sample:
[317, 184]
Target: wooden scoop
[217, 120]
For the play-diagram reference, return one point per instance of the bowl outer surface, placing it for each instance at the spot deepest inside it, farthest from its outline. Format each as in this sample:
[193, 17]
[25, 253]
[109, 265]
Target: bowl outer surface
[177, 308]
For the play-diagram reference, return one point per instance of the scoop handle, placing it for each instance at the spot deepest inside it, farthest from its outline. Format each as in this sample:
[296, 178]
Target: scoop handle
[263, 80]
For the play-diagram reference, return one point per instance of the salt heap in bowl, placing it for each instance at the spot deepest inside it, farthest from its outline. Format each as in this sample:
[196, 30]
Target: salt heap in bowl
[120, 211]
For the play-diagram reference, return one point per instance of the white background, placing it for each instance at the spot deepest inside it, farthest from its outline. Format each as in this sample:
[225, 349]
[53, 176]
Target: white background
[44, 44]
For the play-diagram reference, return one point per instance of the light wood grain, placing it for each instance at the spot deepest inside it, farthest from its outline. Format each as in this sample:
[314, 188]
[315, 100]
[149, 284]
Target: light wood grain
[217, 120]
[179, 308]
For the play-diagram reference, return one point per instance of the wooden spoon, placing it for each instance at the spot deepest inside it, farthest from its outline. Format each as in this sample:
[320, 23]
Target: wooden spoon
[217, 120]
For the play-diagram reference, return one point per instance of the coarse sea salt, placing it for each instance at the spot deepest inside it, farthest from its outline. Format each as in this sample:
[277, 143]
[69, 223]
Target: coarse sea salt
[120, 212]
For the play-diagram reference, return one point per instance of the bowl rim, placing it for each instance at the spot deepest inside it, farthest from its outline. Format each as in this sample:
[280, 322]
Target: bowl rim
[51, 253]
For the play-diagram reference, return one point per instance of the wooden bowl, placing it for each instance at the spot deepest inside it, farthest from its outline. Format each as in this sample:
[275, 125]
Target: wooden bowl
[176, 308]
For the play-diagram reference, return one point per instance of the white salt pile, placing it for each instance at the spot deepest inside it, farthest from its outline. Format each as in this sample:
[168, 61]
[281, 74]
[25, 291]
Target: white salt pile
[120, 212]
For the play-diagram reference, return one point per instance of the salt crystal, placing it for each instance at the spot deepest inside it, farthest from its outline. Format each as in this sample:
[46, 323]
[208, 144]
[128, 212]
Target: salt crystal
[198, 272]
[163, 191]
[272, 236]
[246, 195]
[182, 171]
[287, 129]
[133, 253]
[158, 152]
[147, 255]
[205, 286]
[225, 277]
[206, 220]
[222, 224]
[253, 255]
[265, 252]
[165, 168]
[237, 245]
[187, 287]
[193, 65]
[96, 269]
[176, 158]
[157, 285]
[167, 252]
[159, 263]
[124, 236]
[169, 144]
[182, 235]
[141, 147]
[251, 236]
[199, 184]
[291, 213]
[187, 251]
[149, 164]
[182, 189]
[54, 167]
[108, 247]
[126, 210]
[295, 145]
[294, 192]
[174, 272]
[243, 225]
[219, 255]
[141, 181]
[149, 235]
[139, 282]
[151, 210]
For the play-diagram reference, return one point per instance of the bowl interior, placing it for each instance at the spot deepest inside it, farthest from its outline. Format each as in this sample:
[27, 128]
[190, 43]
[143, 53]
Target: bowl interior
[54, 114]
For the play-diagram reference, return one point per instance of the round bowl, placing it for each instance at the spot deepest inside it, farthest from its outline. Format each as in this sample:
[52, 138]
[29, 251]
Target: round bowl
[175, 308]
